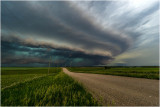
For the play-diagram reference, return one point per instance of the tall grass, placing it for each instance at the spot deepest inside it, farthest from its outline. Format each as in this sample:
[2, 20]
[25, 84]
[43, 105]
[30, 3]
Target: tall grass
[57, 89]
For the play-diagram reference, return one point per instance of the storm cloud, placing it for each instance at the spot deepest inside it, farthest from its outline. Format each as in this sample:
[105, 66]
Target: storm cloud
[82, 33]
[42, 54]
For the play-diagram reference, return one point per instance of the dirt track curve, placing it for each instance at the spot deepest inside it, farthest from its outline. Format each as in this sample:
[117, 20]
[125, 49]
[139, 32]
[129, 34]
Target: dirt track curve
[118, 90]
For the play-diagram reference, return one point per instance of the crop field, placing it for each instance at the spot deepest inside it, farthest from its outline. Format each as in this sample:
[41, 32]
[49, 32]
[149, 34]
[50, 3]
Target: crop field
[139, 72]
[13, 75]
[35, 87]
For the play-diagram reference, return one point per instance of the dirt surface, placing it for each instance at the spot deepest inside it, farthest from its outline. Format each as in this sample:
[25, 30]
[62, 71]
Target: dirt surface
[118, 90]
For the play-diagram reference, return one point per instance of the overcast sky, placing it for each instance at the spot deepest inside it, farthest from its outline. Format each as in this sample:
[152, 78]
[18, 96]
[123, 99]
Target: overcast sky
[80, 33]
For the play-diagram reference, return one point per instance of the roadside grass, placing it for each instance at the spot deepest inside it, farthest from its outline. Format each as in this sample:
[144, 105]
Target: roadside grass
[55, 89]
[139, 72]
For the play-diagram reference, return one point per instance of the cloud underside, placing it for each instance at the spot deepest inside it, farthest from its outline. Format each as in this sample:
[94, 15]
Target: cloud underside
[34, 32]
[28, 54]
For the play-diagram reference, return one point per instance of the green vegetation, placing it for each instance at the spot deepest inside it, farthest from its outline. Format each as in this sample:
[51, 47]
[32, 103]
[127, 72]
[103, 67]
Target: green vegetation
[55, 89]
[139, 72]
[13, 75]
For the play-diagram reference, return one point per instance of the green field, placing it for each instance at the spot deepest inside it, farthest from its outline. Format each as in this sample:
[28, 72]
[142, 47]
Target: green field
[139, 72]
[35, 87]
[13, 75]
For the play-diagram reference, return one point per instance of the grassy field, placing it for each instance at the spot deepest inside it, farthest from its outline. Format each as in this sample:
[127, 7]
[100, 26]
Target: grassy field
[13, 75]
[139, 72]
[35, 87]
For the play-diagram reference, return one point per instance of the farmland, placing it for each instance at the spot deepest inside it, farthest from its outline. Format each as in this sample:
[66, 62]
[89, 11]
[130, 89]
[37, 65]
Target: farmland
[35, 87]
[13, 75]
[139, 72]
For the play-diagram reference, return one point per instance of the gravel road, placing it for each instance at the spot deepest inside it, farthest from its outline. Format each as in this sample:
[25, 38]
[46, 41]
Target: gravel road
[118, 90]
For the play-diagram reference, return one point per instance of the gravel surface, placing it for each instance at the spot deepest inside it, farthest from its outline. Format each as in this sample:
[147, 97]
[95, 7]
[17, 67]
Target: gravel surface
[119, 90]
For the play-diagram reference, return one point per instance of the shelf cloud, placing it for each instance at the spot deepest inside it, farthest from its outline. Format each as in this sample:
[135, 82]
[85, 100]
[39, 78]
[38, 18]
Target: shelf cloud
[84, 33]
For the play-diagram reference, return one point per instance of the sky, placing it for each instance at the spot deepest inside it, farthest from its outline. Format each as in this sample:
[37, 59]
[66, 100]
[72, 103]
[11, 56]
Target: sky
[80, 33]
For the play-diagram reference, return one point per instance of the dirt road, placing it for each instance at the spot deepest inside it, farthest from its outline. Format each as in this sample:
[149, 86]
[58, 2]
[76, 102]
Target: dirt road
[118, 90]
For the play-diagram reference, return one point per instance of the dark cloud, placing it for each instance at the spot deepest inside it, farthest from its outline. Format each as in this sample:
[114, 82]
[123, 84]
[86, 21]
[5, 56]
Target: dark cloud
[67, 24]
[34, 31]
[19, 53]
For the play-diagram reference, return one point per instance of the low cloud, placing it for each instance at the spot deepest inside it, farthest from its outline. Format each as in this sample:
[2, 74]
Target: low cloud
[21, 53]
